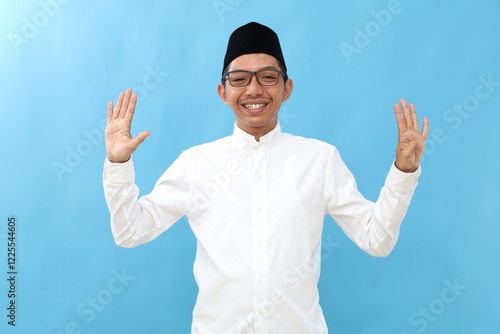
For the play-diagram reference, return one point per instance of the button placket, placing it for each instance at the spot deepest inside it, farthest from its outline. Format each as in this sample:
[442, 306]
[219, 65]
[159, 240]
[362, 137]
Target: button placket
[259, 237]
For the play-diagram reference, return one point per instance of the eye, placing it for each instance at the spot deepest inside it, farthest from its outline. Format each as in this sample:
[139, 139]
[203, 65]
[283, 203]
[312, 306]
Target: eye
[238, 78]
[268, 77]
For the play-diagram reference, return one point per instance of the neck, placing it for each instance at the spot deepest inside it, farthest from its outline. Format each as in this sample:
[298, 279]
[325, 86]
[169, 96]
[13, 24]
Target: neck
[257, 131]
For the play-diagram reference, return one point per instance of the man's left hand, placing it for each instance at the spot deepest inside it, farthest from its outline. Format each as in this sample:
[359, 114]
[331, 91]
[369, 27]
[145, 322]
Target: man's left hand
[411, 142]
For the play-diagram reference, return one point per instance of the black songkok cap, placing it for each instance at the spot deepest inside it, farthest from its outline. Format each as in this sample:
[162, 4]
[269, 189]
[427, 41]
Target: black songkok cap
[253, 38]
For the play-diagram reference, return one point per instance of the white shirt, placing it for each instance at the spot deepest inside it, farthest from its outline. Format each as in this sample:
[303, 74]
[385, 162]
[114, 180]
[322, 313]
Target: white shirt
[257, 211]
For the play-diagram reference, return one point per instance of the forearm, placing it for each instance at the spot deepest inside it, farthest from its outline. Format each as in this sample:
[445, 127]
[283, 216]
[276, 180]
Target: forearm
[373, 226]
[389, 211]
[131, 222]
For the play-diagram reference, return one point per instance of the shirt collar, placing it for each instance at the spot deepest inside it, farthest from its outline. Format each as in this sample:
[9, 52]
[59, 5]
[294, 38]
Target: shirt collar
[250, 141]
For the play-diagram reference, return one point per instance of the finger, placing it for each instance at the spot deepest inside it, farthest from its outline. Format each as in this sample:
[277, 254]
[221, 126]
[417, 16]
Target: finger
[119, 103]
[126, 101]
[406, 114]
[408, 151]
[399, 118]
[411, 147]
[414, 118]
[143, 135]
[139, 139]
[110, 111]
[131, 108]
[425, 129]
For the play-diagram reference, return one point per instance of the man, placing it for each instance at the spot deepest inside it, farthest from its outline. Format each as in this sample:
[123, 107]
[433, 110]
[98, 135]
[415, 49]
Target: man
[256, 200]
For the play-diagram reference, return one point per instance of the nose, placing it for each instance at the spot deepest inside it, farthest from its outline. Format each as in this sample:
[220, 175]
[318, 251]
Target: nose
[254, 87]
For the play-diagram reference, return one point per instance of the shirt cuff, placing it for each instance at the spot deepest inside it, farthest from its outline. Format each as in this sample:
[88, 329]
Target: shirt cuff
[123, 172]
[401, 181]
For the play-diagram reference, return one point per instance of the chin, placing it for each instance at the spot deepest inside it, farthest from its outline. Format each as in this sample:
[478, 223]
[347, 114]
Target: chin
[258, 123]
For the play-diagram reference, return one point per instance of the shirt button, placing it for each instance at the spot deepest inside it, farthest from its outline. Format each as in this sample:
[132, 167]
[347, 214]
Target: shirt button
[259, 176]
[259, 208]
[259, 244]
[261, 278]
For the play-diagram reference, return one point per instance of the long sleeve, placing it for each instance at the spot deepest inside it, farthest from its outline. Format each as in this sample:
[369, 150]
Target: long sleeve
[135, 220]
[374, 227]
[257, 210]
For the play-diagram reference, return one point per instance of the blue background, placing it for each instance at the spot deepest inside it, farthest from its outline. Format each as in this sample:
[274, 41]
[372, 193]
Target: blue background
[61, 62]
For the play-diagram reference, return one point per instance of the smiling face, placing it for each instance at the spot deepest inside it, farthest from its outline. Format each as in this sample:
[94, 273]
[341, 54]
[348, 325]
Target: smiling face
[255, 106]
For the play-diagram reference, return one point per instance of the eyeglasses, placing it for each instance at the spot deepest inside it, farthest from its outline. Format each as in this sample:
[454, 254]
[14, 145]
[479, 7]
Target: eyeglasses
[242, 78]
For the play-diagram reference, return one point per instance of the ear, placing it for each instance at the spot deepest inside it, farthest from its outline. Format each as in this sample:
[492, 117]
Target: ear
[221, 90]
[288, 90]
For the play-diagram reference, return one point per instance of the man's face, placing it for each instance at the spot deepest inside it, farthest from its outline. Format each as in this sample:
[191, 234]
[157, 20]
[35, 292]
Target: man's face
[255, 106]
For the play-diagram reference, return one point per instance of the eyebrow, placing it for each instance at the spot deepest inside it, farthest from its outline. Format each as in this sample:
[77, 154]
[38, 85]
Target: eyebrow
[269, 68]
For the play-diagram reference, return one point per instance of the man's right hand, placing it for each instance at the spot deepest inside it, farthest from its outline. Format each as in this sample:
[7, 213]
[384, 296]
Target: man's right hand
[119, 142]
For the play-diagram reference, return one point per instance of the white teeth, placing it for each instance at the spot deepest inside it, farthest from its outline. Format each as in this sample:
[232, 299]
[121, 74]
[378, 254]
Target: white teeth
[255, 105]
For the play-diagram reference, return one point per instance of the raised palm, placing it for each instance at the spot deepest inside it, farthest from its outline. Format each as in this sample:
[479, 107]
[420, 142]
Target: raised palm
[119, 142]
[411, 142]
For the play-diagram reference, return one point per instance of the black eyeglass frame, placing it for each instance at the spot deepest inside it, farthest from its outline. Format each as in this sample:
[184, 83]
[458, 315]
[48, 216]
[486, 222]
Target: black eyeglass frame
[252, 74]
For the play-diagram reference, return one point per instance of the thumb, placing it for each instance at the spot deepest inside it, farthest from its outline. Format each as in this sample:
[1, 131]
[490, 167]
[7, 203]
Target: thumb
[410, 148]
[140, 138]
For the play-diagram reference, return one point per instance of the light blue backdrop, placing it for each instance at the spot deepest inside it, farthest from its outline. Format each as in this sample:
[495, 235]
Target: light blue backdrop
[61, 61]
